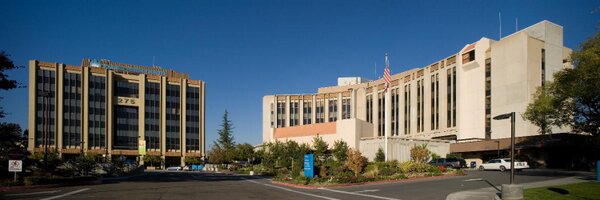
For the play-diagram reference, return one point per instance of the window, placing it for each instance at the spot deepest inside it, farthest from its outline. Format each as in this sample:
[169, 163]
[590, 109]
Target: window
[381, 113]
[420, 106]
[96, 111]
[307, 112]
[71, 110]
[468, 57]
[280, 113]
[333, 109]
[294, 115]
[346, 108]
[454, 97]
[192, 119]
[320, 111]
[126, 128]
[272, 116]
[45, 107]
[173, 116]
[370, 108]
[407, 109]
[395, 112]
[543, 66]
[488, 98]
[435, 102]
[152, 116]
[125, 88]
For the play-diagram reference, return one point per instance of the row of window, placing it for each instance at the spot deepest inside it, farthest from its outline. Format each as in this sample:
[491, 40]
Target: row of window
[294, 111]
[126, 118]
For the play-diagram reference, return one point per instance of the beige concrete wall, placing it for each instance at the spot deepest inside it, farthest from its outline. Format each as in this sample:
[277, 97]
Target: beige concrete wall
[399, 149]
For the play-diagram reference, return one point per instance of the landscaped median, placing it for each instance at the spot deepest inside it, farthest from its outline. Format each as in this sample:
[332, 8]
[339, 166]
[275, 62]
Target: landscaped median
[374, 173]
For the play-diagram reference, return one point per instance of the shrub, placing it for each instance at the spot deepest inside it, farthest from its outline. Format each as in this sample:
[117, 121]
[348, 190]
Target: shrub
[453, 155]
[379, 156]
[413, 167]
[419, 153]
[441, 168]
[434, 171]
[434, 156]
[339, 150]
[388, 168]
[356, 162]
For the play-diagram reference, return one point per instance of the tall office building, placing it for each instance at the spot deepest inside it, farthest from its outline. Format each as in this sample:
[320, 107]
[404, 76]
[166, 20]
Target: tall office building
[453, 98]
[115, 110]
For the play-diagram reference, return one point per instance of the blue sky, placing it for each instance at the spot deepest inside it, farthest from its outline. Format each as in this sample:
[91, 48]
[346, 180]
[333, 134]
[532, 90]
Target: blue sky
[247, 49]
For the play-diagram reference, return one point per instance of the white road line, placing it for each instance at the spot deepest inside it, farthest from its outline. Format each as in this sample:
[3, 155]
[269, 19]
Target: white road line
[361, 191]
[304, 193]
[473, 179]
[358, 194]
[66, 194]
[290, 190]
[33, 193]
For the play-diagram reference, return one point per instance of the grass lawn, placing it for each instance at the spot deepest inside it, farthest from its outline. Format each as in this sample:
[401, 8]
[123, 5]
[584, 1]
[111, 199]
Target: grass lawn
[587, 190]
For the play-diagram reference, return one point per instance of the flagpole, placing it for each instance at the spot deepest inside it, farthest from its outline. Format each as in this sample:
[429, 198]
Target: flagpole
[387, 113]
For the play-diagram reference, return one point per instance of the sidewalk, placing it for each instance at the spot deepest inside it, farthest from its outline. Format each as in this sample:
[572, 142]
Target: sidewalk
[491, 193]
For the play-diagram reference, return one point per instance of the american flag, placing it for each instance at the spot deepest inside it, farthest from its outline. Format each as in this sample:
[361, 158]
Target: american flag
[386, 72]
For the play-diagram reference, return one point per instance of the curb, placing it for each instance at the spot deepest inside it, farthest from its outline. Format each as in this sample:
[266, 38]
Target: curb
[364, 183]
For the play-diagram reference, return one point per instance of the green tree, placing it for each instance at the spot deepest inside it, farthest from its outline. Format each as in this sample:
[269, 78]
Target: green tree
[85, 164]
[574, 95]
[380, 156]
[5, 83]
[193, 160]
[319, 147]
[217, 155]
[244, 152]
[226, 141]
[153, 160]
[339, 150]
[10, 138]
[542, 111]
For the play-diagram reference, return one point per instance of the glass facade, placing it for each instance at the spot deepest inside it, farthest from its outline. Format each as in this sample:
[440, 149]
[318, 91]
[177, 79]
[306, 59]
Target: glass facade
[45, 107]
[152, 115]
[96, 111]
[307, 112]
[407, 109]
[346, 108]
[192, 119]
[380, 114]
[320, 111]
[126, 89]
[173, 117]
[280, 113]
[369, 108]
[71, 110]
[294, 113]
[333, 109]
[126, 128]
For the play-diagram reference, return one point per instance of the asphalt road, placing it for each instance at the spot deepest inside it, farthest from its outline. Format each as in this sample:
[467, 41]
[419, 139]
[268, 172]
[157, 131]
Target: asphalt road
[202, 185]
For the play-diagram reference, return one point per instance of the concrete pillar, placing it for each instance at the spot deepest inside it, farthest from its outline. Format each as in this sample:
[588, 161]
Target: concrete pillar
[375, 110]
[109, 113]
[84, 107]
[32, 106]
[182, 117]
[512, 192]
[326, 107]
[141, 111]
[287, 111]
[163, 118]
[301, 111]
[314, 109]
[339, 106]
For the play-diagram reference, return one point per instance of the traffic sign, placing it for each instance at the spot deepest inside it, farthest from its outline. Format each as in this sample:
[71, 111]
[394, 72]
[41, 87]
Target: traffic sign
[15, 165]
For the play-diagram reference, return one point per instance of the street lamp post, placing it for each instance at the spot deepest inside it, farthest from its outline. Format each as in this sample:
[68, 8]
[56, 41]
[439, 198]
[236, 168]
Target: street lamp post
[511, 191]
[510, 115]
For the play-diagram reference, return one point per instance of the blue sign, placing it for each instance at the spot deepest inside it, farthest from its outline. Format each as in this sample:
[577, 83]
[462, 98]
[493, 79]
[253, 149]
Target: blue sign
[309, 165]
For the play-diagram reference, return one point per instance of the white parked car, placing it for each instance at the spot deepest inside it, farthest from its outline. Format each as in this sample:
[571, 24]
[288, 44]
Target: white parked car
[176, 168]
[502, 164]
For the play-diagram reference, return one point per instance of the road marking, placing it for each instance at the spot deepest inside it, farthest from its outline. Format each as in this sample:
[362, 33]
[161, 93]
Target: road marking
[358, 194]
[290, 190]
[473, 179]
[361, 191]
[304, 193]
[33, 193]
[66, 194]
